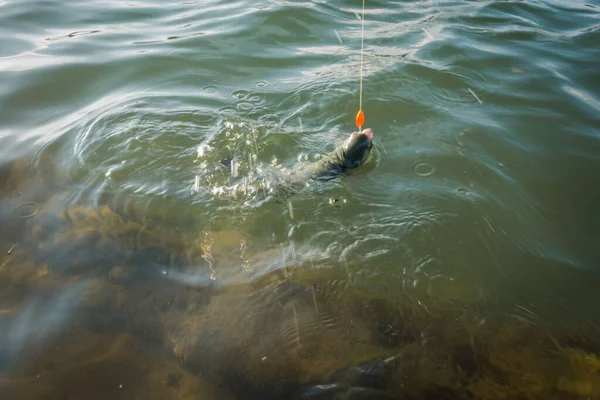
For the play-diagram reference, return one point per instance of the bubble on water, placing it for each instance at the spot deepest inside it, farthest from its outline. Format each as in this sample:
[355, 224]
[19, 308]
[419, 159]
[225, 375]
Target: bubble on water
[302, 157]
[244, 106]
[210, 89]
[227, 112]
[463, 191]
[423, 168]
[337, 202]
[334, 248]
[239, 94]
[254, 99]
[261, 84]
[26, 210]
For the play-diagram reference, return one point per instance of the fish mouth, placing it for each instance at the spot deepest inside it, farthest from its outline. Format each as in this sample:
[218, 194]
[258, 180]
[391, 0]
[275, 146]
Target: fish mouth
[369, 134]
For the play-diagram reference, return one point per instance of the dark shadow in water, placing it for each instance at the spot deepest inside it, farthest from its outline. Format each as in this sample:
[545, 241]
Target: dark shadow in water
[94, 305]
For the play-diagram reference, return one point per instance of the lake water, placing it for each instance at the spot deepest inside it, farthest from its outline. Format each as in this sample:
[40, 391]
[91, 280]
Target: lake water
[460, 262]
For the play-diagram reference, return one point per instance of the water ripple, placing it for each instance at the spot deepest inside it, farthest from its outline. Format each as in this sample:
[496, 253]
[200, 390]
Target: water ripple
[186, 115]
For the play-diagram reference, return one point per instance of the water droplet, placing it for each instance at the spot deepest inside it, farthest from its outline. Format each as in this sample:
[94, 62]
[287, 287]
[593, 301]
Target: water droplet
[239, 94]
[196, 183]
[203, 149]
[302, 157]
[234, 168]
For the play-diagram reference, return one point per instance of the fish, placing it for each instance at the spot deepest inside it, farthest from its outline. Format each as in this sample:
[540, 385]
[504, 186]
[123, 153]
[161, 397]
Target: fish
[353, 152]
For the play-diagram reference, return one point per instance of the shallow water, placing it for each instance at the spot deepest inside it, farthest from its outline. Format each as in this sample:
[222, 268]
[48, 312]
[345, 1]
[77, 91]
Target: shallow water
[464, 253]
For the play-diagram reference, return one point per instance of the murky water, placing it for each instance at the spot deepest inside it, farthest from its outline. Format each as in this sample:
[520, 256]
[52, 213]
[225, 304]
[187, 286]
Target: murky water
[460, 262]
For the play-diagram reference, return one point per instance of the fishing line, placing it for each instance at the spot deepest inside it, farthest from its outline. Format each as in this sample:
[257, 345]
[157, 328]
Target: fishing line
[360, 117]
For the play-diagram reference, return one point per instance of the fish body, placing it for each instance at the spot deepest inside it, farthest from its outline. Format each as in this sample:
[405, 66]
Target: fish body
[351, 154]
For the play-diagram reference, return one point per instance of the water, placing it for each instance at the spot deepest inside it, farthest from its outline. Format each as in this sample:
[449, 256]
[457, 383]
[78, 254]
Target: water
[461, 261]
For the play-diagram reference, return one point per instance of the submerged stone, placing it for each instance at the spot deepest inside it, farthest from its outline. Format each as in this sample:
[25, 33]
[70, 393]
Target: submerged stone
[254, 320]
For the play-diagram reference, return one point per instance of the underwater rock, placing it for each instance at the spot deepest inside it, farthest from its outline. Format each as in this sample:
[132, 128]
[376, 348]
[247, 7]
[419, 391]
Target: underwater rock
[217, 307]
[369, 380]
[277, 334]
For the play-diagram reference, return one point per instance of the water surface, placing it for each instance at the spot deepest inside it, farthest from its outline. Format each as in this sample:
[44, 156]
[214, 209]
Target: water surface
[461, 261]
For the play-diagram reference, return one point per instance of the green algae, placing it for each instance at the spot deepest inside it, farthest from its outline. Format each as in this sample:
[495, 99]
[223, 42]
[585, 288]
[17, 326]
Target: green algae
[266, 327]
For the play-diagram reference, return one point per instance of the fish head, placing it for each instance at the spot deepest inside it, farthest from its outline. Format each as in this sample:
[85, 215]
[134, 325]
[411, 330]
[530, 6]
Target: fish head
[356, 149]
